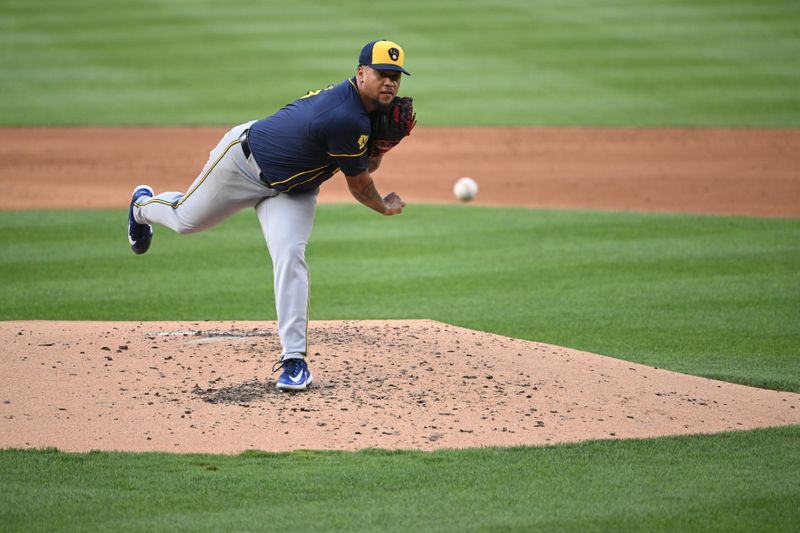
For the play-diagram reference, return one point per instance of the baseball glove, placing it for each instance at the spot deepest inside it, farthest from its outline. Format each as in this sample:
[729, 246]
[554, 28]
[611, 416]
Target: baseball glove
[390, 127]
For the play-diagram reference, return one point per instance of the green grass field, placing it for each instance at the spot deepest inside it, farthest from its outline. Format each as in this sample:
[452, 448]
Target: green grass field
[721, 483]
[674, 62]
[713, 296]
[692, 293]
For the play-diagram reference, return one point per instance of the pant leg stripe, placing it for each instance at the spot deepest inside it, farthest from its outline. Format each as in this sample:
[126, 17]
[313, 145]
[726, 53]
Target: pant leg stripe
[188, 194]
[308, 310]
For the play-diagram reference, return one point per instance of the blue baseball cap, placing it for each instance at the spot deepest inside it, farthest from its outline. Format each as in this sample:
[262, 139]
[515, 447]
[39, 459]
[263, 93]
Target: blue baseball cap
[383, 55]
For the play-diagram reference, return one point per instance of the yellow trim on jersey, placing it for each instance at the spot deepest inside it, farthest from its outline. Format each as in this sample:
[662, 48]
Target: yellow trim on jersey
[200, 182]
[312, 178]
[348, 155]
[299, 174]
[309, 94]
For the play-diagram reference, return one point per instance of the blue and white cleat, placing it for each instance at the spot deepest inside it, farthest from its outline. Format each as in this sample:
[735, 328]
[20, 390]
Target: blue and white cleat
[295, 375]
[139, 235]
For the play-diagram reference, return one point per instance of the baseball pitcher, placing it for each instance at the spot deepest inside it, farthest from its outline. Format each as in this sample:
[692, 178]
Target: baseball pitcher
[277, 165]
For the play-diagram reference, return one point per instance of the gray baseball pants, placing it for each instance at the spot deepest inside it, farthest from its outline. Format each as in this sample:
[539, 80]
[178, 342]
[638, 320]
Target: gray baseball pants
[228, 183]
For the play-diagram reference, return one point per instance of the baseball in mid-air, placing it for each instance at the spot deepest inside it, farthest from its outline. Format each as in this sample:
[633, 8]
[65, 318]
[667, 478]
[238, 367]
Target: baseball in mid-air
[465, 189]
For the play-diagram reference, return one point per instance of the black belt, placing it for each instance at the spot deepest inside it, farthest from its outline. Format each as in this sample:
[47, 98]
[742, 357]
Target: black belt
[244, 141]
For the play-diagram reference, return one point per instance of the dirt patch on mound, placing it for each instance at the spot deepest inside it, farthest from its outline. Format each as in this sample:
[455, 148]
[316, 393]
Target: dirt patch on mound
[739, 172]
[207, 387]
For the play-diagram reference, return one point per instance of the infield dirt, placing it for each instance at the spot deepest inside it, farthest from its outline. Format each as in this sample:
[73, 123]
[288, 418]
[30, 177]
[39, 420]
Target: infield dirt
[738, 172]
[207, 386]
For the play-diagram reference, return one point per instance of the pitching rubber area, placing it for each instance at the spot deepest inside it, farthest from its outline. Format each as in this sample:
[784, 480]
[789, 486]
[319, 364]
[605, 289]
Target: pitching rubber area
[207, 387]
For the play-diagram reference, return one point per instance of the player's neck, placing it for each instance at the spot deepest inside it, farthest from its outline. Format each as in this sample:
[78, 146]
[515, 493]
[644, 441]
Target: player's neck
[368, 104]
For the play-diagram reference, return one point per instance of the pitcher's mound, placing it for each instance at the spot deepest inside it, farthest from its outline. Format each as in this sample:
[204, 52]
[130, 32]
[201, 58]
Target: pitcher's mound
[208, 387]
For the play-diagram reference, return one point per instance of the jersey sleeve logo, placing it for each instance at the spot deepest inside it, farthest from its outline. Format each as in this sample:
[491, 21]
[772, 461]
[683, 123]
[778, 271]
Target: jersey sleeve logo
[315, 93]
[362, 141]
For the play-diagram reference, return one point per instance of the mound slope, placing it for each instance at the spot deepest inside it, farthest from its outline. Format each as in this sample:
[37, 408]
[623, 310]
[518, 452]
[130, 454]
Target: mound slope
[208, 387]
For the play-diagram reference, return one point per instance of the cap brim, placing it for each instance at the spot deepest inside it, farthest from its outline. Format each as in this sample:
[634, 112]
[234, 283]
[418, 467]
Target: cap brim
[389, 66]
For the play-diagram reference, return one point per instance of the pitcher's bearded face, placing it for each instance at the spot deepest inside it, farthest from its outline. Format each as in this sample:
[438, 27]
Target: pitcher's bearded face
[378, 86]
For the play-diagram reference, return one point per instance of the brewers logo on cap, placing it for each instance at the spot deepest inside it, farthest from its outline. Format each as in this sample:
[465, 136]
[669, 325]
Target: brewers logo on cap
[383, 55]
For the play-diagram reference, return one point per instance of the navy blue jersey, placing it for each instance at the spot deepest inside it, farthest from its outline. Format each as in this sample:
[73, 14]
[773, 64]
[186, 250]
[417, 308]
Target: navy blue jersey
[308, 141]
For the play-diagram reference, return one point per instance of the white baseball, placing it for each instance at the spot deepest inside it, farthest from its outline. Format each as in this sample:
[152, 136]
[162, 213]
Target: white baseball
[465, 189]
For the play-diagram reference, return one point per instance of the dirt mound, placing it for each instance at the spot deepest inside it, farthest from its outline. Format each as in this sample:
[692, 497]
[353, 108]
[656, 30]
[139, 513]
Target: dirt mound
[208, 387]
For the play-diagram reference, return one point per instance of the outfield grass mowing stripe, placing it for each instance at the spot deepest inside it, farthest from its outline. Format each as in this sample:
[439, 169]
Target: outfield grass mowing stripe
[676, 62]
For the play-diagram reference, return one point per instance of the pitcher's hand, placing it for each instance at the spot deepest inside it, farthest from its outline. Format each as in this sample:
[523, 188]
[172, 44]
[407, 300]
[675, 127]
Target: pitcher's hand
[394, 204]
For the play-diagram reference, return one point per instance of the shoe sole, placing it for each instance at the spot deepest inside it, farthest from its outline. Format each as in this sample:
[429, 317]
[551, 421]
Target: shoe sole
[130, 215]
[287, 387]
